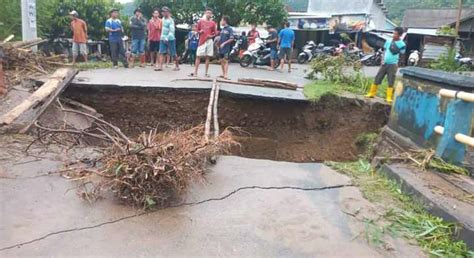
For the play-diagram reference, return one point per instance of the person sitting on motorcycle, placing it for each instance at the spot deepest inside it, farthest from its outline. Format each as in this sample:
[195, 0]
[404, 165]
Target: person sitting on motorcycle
[253, 34]
[393, 49]
[272, 42]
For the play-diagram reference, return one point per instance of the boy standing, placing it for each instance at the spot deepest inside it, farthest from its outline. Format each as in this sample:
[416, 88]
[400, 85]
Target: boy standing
[168, 40]
[193, 43]
[114, 28]
[138, 25]
[393, 49]
[79, 37]
[272, 41]
[286, 40]
[154, 36]
[207, 30]
[226, 38]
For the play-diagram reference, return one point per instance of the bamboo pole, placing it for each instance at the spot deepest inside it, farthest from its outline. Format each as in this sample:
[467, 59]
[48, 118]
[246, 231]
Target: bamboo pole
[216, 117]
[207, 126]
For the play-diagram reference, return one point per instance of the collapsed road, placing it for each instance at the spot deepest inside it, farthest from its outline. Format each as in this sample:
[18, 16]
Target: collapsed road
[268, 202]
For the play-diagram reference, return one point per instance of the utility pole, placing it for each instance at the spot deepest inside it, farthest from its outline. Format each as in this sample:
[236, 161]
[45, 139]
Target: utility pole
[28, 19]
[458, 18]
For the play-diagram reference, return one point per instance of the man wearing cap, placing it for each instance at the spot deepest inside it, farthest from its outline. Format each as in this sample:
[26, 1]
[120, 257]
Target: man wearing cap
[114, 28]
[168, 39]
[79, 37]
[138, 26]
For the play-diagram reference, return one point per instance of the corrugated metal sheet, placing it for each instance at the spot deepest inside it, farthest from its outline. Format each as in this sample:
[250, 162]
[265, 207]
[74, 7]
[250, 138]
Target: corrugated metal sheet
[433, 18]
[433, 51]
[426, 32]
[340, 7]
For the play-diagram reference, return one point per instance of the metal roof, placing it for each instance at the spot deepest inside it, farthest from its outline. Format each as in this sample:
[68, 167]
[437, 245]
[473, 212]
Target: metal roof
[433, 18]
[340, 7]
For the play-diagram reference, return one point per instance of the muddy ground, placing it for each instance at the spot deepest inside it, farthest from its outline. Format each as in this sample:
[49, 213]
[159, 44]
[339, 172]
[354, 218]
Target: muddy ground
[270, 129]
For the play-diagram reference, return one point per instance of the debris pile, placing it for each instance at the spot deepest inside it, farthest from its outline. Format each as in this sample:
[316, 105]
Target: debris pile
[20, 61]
[158, 168]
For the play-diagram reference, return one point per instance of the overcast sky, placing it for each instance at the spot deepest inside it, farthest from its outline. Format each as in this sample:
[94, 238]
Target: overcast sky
[125, 1]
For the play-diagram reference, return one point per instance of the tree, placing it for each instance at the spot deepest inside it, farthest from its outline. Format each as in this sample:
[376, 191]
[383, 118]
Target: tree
[52, 17]
[189, 11]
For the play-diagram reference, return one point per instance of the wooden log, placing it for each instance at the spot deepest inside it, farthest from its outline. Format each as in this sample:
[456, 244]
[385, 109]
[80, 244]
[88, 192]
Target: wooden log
[56, 83]
[216, 117]
[207, 126]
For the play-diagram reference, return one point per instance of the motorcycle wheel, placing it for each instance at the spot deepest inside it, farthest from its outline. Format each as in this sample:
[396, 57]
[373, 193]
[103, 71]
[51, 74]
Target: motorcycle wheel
[302, 59]
[246, 60]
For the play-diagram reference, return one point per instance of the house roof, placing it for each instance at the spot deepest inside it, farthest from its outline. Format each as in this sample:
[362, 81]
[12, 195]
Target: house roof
[340, 7]
[433, 18]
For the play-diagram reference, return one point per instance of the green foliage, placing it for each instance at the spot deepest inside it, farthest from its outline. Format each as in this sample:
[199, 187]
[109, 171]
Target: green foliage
[447, 63]
[189, 11]
[52, 17]
[366, 142]
[404, 216]
[446, 31]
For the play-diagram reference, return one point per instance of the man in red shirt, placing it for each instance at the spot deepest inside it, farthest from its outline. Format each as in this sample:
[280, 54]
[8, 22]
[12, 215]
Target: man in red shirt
[207, 30]
[154, 36]
[253, 34]
[79, 37]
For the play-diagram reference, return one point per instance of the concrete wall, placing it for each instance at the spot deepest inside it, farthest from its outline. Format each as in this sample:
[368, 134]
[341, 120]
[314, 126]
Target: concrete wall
[418, 109]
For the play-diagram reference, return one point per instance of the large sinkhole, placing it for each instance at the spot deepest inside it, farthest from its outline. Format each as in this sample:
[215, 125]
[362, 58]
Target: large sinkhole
[270, 129]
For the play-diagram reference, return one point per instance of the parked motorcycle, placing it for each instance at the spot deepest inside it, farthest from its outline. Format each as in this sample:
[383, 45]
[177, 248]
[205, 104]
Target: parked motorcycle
[464, 61]
[257, 54]
[235, 53]
[310, 51]
[374, 59]
[414, 58]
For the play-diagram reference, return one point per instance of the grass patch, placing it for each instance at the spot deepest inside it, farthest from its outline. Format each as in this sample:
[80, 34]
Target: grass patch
[92, 65]
[404, 215]
[318, 88]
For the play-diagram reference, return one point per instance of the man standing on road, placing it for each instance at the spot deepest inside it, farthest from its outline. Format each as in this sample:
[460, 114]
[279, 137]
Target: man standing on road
[226, 38]
[272, 42]
[207, 30]
[79, 37]
[286, 41]
[168, 40]
[253, 34]
[138, 26]
[393, 48]
[154, 36]
[114, 28]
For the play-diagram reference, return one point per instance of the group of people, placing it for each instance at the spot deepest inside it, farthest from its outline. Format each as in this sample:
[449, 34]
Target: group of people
[158, 34]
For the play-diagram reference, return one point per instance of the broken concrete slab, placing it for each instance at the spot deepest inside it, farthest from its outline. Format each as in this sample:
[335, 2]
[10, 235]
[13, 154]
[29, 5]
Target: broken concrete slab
[234, 217]
[147, 77]
[439, 196]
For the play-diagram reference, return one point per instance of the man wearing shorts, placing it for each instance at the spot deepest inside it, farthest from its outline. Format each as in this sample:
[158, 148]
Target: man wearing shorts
[138, 26]
[154, 36]
[168, 39]
[225, 45]
[79, 37]
[286, 40]
[393, 48]
[207, 30]
[272, 42]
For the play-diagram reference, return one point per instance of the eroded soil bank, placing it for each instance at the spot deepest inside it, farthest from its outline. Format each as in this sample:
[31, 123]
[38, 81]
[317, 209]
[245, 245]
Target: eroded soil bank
[270, 129]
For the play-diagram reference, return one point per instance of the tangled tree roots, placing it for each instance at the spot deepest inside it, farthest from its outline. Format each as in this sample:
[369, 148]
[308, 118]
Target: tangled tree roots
[158, 168]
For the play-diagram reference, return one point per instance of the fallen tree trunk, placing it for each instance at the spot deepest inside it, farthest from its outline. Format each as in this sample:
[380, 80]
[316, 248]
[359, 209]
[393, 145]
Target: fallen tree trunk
[207, 126]
[51, 89]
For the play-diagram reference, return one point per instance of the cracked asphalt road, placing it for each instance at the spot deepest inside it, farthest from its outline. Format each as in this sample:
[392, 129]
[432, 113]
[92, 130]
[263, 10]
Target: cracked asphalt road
[249, 208]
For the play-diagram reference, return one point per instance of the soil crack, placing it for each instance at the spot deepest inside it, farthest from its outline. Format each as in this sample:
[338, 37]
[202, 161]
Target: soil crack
[176, 206]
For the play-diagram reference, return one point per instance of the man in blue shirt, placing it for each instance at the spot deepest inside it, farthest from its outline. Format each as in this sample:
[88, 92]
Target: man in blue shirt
[225, 45]
[168, 39]
[286, 41]
[393, 49]
[114, 28]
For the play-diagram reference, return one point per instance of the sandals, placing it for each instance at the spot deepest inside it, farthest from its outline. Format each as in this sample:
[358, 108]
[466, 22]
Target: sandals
[158, 69]
[176, 69]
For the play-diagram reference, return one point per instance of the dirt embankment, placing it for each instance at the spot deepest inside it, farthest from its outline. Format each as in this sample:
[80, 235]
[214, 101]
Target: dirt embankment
[276, 130]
